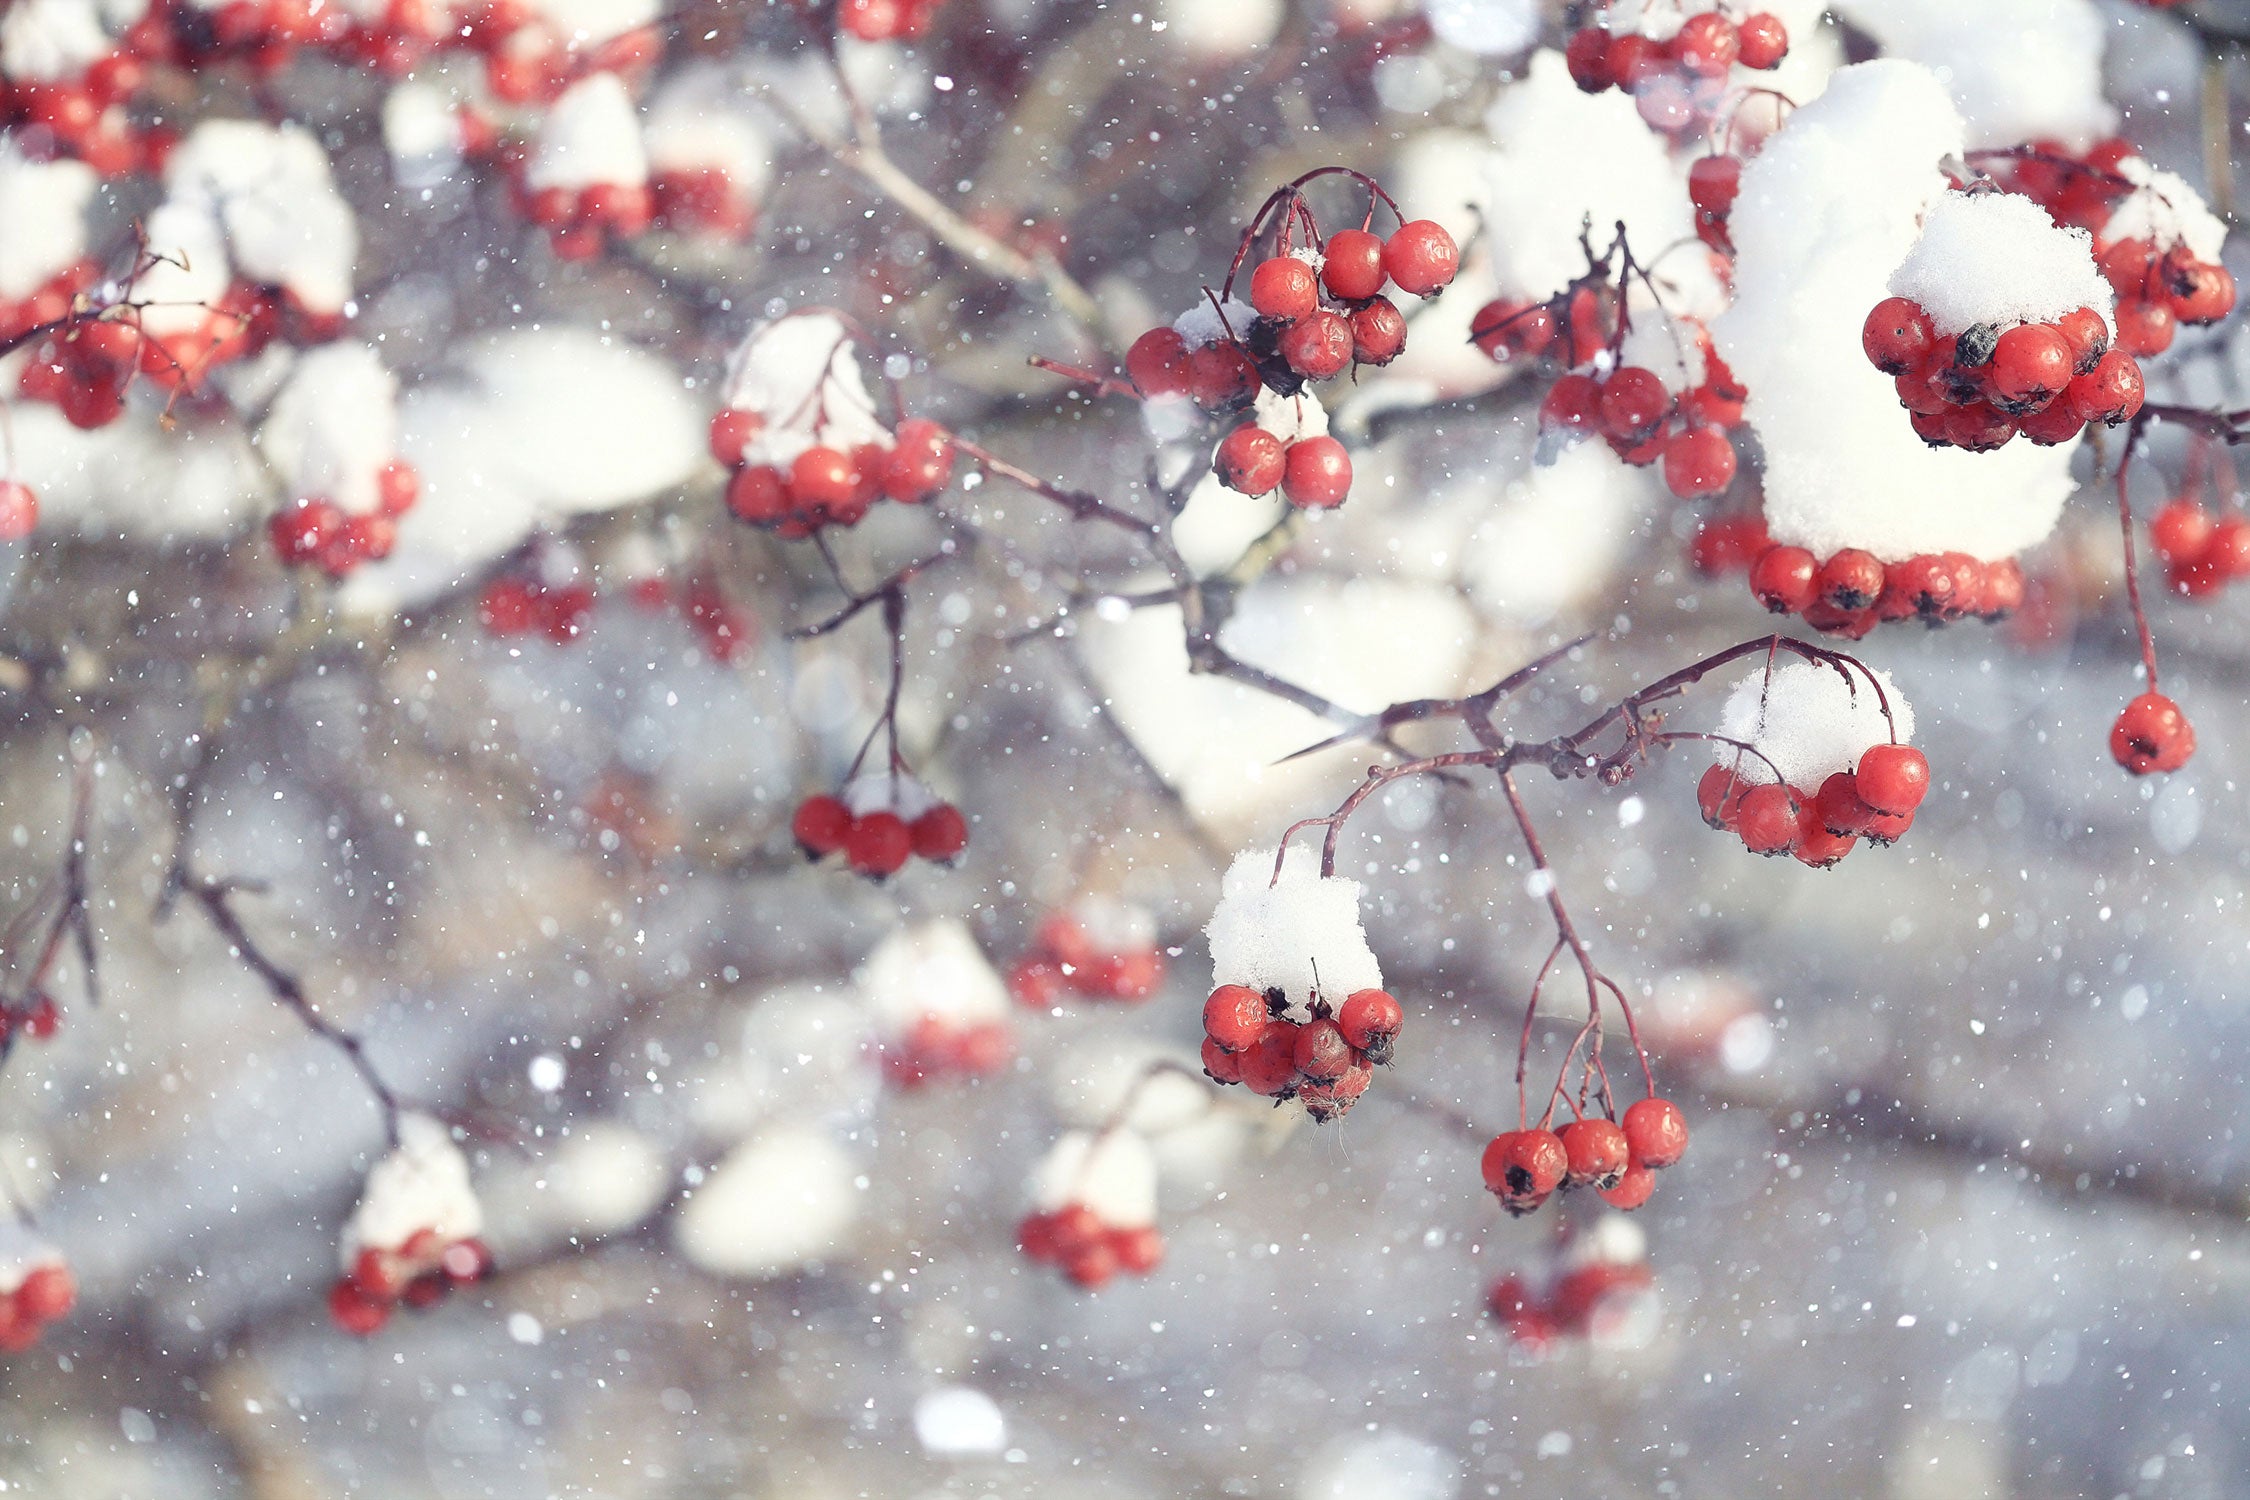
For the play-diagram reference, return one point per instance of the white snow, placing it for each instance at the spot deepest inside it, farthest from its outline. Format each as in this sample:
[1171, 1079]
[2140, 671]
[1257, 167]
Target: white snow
[1112, 1173]
[882, 790]
[591, 135]
[334, 426]
[51, 41]
[1094, 1081]
[699, 118]
[1236, 28]
[1202, 324]
[1300, 934]
[423, 1184]
[1998, 258]
[935, 969]
[2018, 70]
[955, 1421]
[1290, 417]
[782, 1199]
[1809, 721]
[22, 1251]
[1828, 210]
[1555, 535]
[42, 218]
[1486, 27]
[286, 224]
[585, 23]
[802, 374]
[2166, 210]
[180, 289]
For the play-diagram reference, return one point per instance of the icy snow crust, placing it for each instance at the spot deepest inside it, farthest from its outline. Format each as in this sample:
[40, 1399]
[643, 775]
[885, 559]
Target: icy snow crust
[1810, 722]
[1998, 258]
[1113, 1174]
[423, 1184]
[1299, 935]
[1828, 210]
[2166, 211]
[334, 426]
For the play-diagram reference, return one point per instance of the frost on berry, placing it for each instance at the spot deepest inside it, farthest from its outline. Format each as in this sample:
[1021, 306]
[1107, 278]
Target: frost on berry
[1300, 935]
[940, 1009]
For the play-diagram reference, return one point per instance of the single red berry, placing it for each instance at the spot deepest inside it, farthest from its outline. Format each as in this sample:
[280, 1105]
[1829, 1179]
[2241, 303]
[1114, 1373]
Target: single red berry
[1816, 846]
[1158, 363]
[1897, 336]
[1698, 461]
[1092, 1266]
[1586, 55]
[46, 1293]
[1220, 1065]
[1370, 1021]
[1036, 983]
[1316, 473]
[1979, 428]
[397, 487]
[822, 480]
[919, 462]
[302, 532]
[1322, 1053]
[1378, 332]
[1506, 329]
[2201, 293]
[1574, 401]
[1764, 40]
[1851, 580]
[821, 825]
[940, 834]
[1221, 377]
[1270, 1066]
[758, 495]
[2088, 336]
[1767, 820]
[2030, 364]
[1250, 460]
[1632, 1189]
[2145, 328]
[1784, 580]
[1633, 60]
[1318, 345]
[1718, 796]
[1713, 182]
[1707, 44]
[1634, 400]
[2152, 735]
[1524, 1166]
[354, 1311]
[731, 430]
[2180, 531]
[1893, 779]
[1331, 1099]
[1352, 265]
[878, 844]
[2052, 425]
[1840, 809]
[1138, 1251]
[44, 1018]
[1285, 289]
[1595, 1151]
[2003, 589]
[1421, 257]
[2111, 392]
[1235, 1017]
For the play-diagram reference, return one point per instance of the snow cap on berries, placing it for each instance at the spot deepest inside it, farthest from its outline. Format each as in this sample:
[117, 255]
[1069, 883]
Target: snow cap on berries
[886, 791]
[22, 1251]
[422, 1184]
[2166, 211]
[935, 969]
[334, 426]
[1998, 258]
[43, 205]
[1113, 1173]
[51, 41]
[780, 1200]
[1290, 418]
[1810, 720]
[591, 136]
[270, 187]
[588, 23]
[1201, 324]
[1300, 935]
[802, 374]
[179, 290]
[697, 121]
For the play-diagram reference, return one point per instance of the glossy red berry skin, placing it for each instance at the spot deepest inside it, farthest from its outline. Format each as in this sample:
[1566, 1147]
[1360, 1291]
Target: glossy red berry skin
[1220, 1065]
[1897, 336]
[1573, 401]
[1270, 1066]
[820, 478]
[1634, 1186]
[1893, 779]
[1284, 288]
[1767, 820]
[1633, 60]
[2145, 329]
[2201, 293]
[2088, 336]
[1158, 362]
[2180, 531]
[2031, 364]
[878, 844]
[2111, 392]
[1352, 265]
[2152, 735]
[1523, 1167]
[1235, 1017]
[1656, 1132]
[1250, 461]
[1318, 345]
[1586, 55]
[1763, 39]
[1321, 1053]
[1507, 330]
[1840, 809]
[821, 825]
[731, 431]
[1815, 847]
[1718, 796]
[2052, 425]
[1421, 257]
[1698, 461]
[1851, 580]
[1633, 402]
[1595, 1151]
[1221, 377]
[1370, 1021]
[1316, 473]
[1785, 580]
[1707, 44]
[1378, 332]
[940, 834]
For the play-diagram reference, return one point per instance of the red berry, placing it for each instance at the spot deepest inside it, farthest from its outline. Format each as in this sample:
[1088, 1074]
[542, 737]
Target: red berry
[2087, 335]
[731, 430]
[354, 1311]
[1092, 1266]
[1897, 336]
[1370, 1021]
[19, 510]
[2030, 364]
[1221, 377]
[1707, 44]
[1331, 1099]
[1158, 362]
[1713, 182]
[1421, 257]
[1634, 400]
[919, 463]
[397, 487]
[821, 825]
[1316, 473]
[2145, 328]
[1851, 580]
[1840, 809]
[1270, 1066]
[1633, 60]
[1979, 428]
[1285, 289]
[1767, 820]
[1523, 1167]
[758, 495]
[2201, 293]
[46, 1293]
[1632, 1188]
[1718, 796]
[1586, 54]
[2152, 735]
[1698, 461]
[1220, 1065]
[1784, 580]
[2111, 392]
[1035, 983]
[1506, 330]
[2052, 425]
[1352, 264]
[1816, 847]
[1250, 460]
[1318, 345]
[1893, 779]
[2127, 266]
[1378, 332]
[1764, 40]
[2003, 589]
[1574, 401]
[1235, 1017]
[1321, 1052]
[940, 834]
[1595, 1151]
[1656, 1132]
[1139, 1251]
[822, 480]
[2180, 531]
[878, 844]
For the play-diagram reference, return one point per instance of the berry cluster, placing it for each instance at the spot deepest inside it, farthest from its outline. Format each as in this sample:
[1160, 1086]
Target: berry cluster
[822, 485]
[1089, 1251]
[42, 1292]
[83, 371]
[1645, 422]
[2160, 287]
[1678, 79]
[877, 822]
[84, 114]
[2078, 189]
[938, 1046]
[1324, 1063]
[317, 532]
[1977, 389]
[2201, 553]
[886, 20]
[1851, 590]
[1875, 801]
[1524, 1168]
[2152, 735]
[419, 1272]
[1096, 949]
[516, 605]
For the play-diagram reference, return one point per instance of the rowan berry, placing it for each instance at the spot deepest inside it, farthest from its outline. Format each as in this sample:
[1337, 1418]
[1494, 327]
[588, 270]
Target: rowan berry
[2180, 531]
[397, 487]
[1656, 1132]
[1352, 265]
[1092, 1265]
[1707, 44]
[1632, 1189]
[1634, 400]
[822, 480]
[19, 510]
[1767, 819]
[2145, 328]
[1220, 1065]
[758, 495]
[1523, 1167]
[1221, 377]
[1378, 332]
[1633, 60]
[1270, 1066]
[46, 1293]
[1763, 39]
[940, 834]
[1893, 779]
[2111, 392]
[1370, 1021]
[1139, 1250]
[1158, 363]
[2152, 735]
[1573, 401]
[1316, 473]
[2054, 424]
[1850, 580]
[1839, 807]
[354, 1311]
[1321, 1053]
[1784, 579]
[1250, 460]
[878, 844]
[1284, 289]
[918, 464]
[2030, 364]
[1235, 1017]
[1595, 1151]
[1713, 183]
[1698, 461]
[1897, 336]
[1815, 846]
[2201, 292]
[1507, 330]
[2088, 336]
[1421, 257]
[1318, 345]
[1979, 427]
[1586, 55]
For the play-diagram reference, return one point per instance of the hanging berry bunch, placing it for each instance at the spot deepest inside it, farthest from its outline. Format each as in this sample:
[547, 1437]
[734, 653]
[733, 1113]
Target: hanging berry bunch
[413, 1238]
[801, 434]
[585, 179]
[1093, 1210]
[1674, 58]
[553, 598]
[2202, 552]
[2160, 249]
[879, 820]
[940, 1010]
[1297, 1009]
[332, 439]
[1097, 948]
[1807, 761]
[1596, 1284]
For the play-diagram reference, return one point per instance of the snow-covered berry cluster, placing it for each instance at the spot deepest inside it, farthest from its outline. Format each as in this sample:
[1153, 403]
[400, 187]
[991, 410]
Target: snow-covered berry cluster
[413, 1238]
[2160, 250]
[1673, 58]
[1809, 759]
[1617, 1159]
[331, 437]
[941, 1010]
[1093, 1210]
[1597, 1286]
[36, 1286]
[1097, 948]
[801, 433]
[878, 821]
[1995, 325]
[585, 179]
[886, 20]
[1297, 1008]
